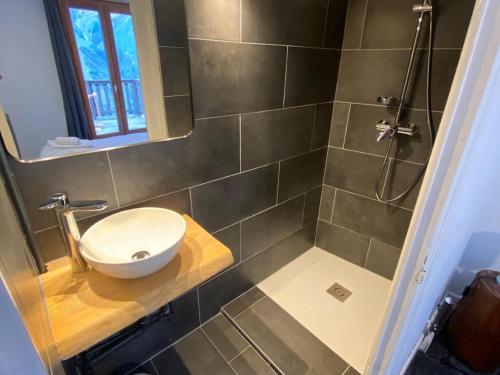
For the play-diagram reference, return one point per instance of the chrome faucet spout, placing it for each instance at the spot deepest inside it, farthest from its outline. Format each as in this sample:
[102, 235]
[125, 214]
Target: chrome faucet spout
[64, 210]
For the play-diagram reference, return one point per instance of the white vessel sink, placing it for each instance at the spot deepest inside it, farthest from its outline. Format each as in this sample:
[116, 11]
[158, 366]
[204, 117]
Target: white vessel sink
[133, 243]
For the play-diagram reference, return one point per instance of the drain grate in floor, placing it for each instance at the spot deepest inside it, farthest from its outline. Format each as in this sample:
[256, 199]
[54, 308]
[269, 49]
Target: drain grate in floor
[339, 292]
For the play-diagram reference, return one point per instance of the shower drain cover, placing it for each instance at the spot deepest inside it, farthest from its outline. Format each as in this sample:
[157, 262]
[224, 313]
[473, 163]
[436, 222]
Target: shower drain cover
[339, 292]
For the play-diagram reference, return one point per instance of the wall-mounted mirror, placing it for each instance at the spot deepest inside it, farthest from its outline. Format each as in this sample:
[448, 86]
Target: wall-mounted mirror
[84, 75]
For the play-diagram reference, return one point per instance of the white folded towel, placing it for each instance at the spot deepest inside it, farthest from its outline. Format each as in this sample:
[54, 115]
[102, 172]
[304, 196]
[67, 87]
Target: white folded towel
[67, 140]
[84, 143]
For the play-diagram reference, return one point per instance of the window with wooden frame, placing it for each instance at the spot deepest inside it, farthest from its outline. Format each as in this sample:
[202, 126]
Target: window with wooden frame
[102, 43]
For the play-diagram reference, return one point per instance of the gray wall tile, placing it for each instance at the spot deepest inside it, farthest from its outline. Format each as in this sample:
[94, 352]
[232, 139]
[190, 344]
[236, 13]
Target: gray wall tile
[311, 75]
[301, 174]
[212, 151]
[326, 205]
[174, 70]
[225, 337]
[251, 363]
[179, 115]
[382, 259]
[270, 136]
[337, 14]
[268, 227]
[222, 202]
[231, 237]
[344, 243]
[354, 23]
[227, 81]
[170, 18]
[340, 116]
[293, 246]
[399, 177]
[311, 208]
[215, 19]
[371, 218]
[276, 21]
[322, 121]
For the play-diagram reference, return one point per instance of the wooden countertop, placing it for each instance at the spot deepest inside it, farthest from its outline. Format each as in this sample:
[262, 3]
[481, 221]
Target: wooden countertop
[87, 308]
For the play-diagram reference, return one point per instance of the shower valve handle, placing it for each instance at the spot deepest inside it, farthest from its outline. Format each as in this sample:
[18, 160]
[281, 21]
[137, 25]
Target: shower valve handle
[387, 133]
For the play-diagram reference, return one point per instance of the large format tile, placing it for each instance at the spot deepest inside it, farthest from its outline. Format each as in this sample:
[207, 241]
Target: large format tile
[311, 75]
[251, 363]
[340, 117]
[294, 245]
[276, 21]
[344, 243]
[266, 228]
[194, 355]
[220, 203]
[382, 259]
[82, 177]
[399, 23]
[354, 23]
[301, 174]
[179, 113]
[223, 288]
[326, 203]
[210, 152]
[322, 121]
[399, 178]
[361, 133]
[231, 78]
[243, 302]
[158, 336]
[311, 207]
[290, 346]
[174, 70]
[366, 74]
[270, 136]
[335, 25]
[215, 19]
[231, 237]
[170, 17]
[371, 218]
[225, 337]
[352, 171]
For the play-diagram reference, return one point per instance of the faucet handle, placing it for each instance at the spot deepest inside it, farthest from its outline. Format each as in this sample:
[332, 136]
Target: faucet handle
[55, 200]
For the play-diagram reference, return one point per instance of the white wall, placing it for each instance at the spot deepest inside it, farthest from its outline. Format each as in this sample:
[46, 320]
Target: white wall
[483, 248]
[29, 90]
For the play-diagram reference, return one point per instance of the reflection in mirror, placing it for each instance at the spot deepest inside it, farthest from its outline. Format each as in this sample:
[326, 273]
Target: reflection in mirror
[82, 75]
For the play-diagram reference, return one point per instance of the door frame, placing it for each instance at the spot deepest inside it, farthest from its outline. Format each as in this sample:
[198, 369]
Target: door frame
[453, 191]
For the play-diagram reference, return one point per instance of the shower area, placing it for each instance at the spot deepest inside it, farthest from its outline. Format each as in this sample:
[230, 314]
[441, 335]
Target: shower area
[320, 313]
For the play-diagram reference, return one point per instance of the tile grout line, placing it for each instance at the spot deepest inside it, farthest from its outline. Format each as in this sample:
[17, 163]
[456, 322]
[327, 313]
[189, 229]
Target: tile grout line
[326, 22]
[191, 203]
[314, 127]
[284, 82]
[249, 307]
[333, 203]
[263, 44]
[383, 106]
[217, 349]
[386, 177]
[176, 96]
[239, 125]
[113, 179]
[241, 20]
[346, 125]
[347, 369]
[239, 247]
[368, 252]
[363, 24]
[154, 367]
[377, 156]
[304, 210]
[199, 305]
[278, 182]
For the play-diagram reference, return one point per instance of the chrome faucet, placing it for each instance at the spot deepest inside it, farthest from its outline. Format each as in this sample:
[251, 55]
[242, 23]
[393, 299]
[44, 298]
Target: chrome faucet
[64, 210]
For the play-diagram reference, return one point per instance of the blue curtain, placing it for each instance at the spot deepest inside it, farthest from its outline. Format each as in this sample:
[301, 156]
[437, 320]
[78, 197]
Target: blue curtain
[76, 116]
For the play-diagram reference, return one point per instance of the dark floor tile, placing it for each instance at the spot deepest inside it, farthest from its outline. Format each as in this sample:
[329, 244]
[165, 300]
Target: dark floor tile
[267, 228]
[270, 136]
[399, 178]
[337, 14]
[231, 78]
[225, 337]
[352, 171]
[351, 371]
[400, 23]
[146, 368]
[300, 174]
[339, 124]
[344, 243]
[311, 208]
[361, 133]
[211, 151]
[220, 290]
[326, 204]
[174, 70]
[382, 259]
[293, 246]
[371, 218]
[153, 339]
[230, 237]
[251, 363]
[276, 21]
[179, 113]
[311, 75]
[194, 355]
[322, 121]
[223, 202]
[243, 302]
[170, 17]
[354, 23]
[290, 346]
[217, 19]
[82, 177]
[366, 74]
